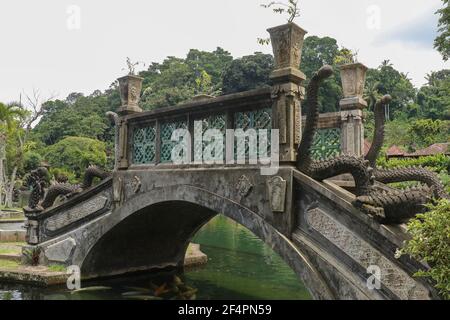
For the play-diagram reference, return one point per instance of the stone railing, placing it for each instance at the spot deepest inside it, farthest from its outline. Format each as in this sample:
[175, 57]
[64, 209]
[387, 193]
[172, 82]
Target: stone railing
[149, 133]
[148, 138]
[328, 139]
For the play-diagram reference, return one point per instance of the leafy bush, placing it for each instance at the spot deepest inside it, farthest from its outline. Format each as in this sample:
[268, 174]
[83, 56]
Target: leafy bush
[32, 160]
[75, 154]
[436, 163]
[425, 132]
[430, 243]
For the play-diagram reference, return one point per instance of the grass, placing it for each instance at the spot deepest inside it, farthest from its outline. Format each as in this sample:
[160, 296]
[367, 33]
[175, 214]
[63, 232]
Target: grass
[18, 244]
[57, 268]
[8, 264]
[8, 251]
[11, 247]
[13, 208]
[12, 219]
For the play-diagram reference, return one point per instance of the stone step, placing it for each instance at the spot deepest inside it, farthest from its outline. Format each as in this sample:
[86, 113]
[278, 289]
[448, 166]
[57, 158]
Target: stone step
[12, 235]
[11, 256]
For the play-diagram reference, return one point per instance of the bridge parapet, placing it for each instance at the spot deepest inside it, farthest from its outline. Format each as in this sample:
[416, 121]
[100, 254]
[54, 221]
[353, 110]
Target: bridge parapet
[146, 137]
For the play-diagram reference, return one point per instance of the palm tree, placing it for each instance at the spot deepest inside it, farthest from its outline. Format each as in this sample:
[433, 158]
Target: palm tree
[10, 113]
[371, 94]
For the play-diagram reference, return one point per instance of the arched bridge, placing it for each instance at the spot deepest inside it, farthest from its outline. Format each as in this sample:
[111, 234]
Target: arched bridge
[145, 215]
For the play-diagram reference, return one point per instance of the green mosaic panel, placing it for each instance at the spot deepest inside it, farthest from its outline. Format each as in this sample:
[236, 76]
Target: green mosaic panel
[144, 148]
[327, 144]
[167, 145]
[257, 119]
[217, 122]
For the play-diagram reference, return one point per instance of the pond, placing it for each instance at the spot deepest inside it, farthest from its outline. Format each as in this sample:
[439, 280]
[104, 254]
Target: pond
[240, 266]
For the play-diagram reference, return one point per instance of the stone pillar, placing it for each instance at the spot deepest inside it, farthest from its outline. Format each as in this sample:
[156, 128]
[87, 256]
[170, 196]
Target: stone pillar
[287, 92]
[352, 126]
[130, 88]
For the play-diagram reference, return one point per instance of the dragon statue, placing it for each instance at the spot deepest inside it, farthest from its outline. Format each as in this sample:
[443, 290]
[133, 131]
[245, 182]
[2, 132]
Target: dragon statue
[387, 176]
[58, 189]
[385, 205]
[36, 181]
[321, 170]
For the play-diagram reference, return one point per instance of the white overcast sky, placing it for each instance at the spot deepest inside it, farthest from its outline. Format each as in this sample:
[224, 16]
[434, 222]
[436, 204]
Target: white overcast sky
[39, 50]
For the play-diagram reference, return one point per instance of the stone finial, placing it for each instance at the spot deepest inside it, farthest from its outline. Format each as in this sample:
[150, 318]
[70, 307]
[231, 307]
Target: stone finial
[353, 77]
[287, 45]
[130, 87]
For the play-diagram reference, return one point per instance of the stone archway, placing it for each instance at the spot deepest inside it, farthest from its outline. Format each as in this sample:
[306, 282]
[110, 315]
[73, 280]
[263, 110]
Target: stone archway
[153, 230]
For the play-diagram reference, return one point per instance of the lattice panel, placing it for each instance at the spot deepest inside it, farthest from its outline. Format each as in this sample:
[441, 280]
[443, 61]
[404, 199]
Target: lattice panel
[257, 119]
[144, 148]
[327, 144]
[217, 122]
[167, 145]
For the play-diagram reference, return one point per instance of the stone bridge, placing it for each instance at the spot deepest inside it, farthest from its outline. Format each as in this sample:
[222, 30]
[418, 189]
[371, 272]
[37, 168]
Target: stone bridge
[144, 216]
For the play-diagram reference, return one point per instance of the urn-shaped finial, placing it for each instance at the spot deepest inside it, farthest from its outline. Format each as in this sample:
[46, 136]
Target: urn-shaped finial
[287, 45]
[353, 77]
[130, 87]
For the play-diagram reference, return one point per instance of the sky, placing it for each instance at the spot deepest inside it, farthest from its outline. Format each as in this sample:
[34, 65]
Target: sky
[60, 46]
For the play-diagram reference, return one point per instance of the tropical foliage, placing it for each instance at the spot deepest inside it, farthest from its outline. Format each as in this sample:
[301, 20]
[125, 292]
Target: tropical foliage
[430, 243]
[441, 43]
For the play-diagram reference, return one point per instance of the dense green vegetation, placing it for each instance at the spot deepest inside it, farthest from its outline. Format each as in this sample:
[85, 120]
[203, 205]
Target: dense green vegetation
[430, 243]
[441, 43]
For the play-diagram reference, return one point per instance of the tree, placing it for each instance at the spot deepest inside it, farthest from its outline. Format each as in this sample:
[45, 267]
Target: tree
[387, 80]
[316, 53]
[424, 132]
[246, 73]
[75, 154]
[176, 80]
[442, 43]
[11, 145]
[433, 99]
[83, 116]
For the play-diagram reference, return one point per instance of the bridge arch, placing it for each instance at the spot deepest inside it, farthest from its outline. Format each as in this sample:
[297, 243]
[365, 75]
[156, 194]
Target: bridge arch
[153, 229]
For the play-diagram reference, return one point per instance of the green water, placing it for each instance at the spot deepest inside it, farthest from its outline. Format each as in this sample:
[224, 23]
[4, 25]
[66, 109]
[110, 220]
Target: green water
[240, 266]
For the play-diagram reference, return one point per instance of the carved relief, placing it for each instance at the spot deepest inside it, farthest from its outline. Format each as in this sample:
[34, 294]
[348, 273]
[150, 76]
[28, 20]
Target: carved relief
[287, 43]
[118, 190]
[282, 119]
[132, 186]
[353, 79]
[136, 184]
[297, 123]
[76, 213]
[133, 95]
[349, 83]
[276, 189]
[397, 280]
[32, 235]
[244, 186]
